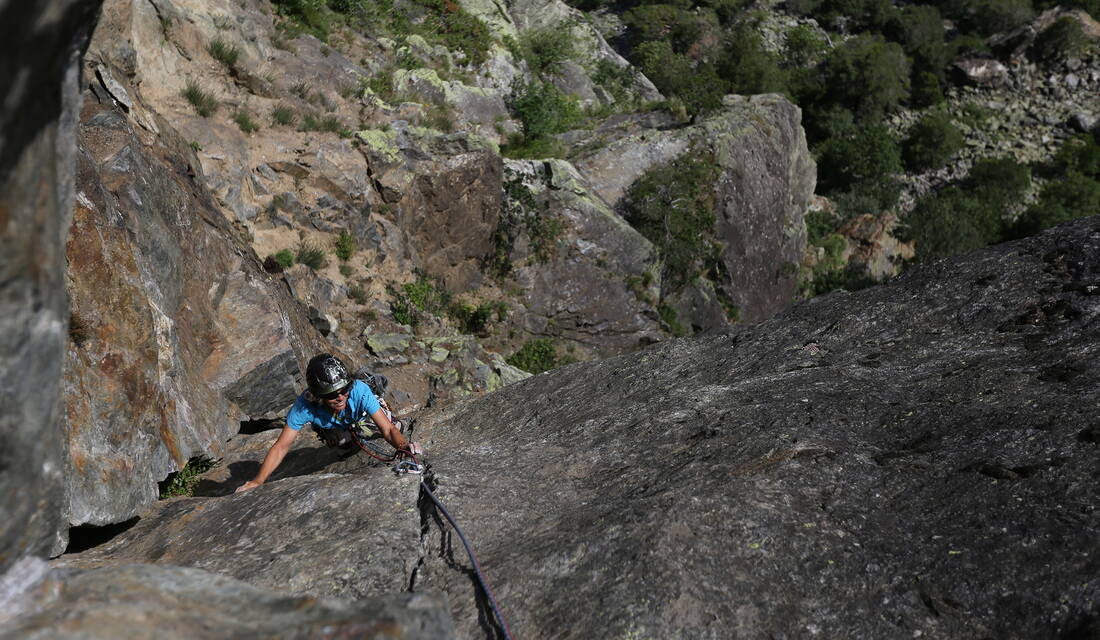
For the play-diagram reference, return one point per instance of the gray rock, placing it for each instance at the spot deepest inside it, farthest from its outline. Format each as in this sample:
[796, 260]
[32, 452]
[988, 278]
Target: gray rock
[347, 535]
[147, 601]
[981, 71]
[38, 126]
[179, 318]
[878, 464]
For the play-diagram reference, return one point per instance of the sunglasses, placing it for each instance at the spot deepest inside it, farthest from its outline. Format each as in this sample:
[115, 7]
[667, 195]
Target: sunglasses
[336, 394]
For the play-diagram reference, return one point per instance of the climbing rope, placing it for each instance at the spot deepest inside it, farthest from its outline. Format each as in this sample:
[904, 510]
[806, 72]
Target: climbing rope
[403, 466]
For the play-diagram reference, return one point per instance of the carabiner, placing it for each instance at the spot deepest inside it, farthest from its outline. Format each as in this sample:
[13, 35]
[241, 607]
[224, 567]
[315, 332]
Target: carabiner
[408, 466]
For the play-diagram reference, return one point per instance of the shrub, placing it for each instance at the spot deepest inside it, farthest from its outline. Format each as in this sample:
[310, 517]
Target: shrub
[698, 86]
[311, 256]
[617, 80]
[182, 482]
[1081, 154]
[862, 160]
[1074, 196]
[225, 53]
[282, 115]
[245, 122]
[868, 75]
[919, 28]
[803, 46]
[542, 109]
[927, 90]
[671, 320]
[345, 246]
[546, 50]
[535, 356]
[953, 221]
[1000, 182]
[285, 258]
[204, 103]
[302, 90]
[346, 270]
[307, 16]
[664, 23]
[1063, 39]
[475, 320]
[931, 142]
[672, 205]
[458, 30]
[358, 294]
[424, 296]
[988, 17]
[747, 65]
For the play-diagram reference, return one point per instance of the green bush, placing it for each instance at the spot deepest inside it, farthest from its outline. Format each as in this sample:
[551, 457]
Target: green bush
[698, 86]
[675, 25]
[618, 81]
[989, 17]
[311, 256]
[546, 50]
[868, 75]
[475, 320]
[672, 205]
[999, 182]
[1063, 39]
[803, 46]
[345, 246]
[182, 482]
[861, 15]
[1080, 154]
[927, 90]
[953, 221]
[747, 65]
[414, 299]
[346, 270]
[919, 28]
[931, 142]
[285, 258]
[447, 22]
[305, 16]
[225, 53]
[282, 115]
[245, 122]
[542, 109]
[535, 356]
[204, 103]
[671, 320]
[862, 163]
[1074, 196]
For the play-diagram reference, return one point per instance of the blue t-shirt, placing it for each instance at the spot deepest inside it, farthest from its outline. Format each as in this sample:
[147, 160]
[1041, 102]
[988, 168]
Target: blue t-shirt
[361, 402]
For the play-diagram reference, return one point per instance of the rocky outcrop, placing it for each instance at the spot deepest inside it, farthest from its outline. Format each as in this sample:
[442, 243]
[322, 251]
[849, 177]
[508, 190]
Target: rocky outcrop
[910, 448]
[766, 182]
[913, 459]
[39, 79]
[181, 335]
[177, 602]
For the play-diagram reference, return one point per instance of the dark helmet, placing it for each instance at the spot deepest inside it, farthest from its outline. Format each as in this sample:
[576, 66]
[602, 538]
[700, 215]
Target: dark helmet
[326, 374]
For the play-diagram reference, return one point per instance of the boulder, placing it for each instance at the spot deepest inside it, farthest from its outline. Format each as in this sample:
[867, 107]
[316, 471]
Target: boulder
[916, 459]
[767, 178]
[979, 71]
[41, 78]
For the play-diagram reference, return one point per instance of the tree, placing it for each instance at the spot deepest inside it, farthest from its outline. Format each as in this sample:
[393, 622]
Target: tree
[868, 75]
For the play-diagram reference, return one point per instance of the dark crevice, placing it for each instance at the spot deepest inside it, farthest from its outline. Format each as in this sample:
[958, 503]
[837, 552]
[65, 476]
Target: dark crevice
[89, 536]
[249, 427]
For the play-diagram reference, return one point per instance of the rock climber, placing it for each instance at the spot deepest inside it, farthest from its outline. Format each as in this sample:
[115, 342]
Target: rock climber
[333, 403]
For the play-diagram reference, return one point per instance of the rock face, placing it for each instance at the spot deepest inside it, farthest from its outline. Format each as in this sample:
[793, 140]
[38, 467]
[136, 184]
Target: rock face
[767, 179]
[40, 72]
[180, 334]
[914, 459]
[177, 602]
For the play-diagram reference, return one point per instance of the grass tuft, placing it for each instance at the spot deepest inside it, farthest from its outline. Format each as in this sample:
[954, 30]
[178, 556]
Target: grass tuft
[204, 103]
[225, 53]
